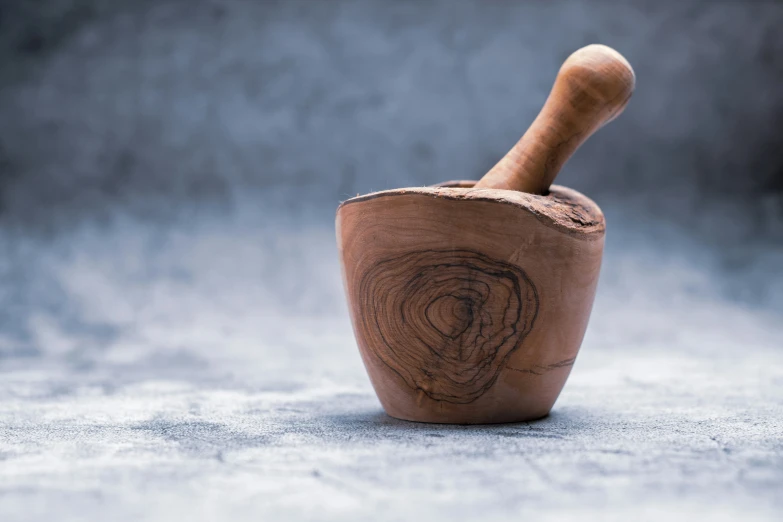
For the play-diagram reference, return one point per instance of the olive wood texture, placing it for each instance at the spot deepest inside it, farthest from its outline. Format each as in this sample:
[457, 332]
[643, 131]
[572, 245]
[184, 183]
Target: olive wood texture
[469, 303]
[592, 88]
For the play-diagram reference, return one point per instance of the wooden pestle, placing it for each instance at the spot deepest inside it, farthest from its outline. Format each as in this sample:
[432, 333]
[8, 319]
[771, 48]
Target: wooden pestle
[592, 88]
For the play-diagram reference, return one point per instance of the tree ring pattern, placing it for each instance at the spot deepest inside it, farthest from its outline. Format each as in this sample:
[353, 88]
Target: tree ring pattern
[446, 321]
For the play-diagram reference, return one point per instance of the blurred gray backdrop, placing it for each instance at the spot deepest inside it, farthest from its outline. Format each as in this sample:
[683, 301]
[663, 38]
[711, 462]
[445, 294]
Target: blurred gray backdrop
[147, 119]
[154, 107]
[126, 123]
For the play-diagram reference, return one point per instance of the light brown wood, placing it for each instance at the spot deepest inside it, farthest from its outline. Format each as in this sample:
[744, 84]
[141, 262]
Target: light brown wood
[469, 304]
[591, 89]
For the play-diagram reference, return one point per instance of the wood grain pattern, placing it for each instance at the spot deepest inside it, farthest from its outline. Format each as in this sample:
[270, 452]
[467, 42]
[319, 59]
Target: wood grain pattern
[592, 88]
[462, 312]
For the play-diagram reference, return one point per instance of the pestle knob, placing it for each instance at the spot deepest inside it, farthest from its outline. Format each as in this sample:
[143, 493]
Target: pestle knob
[592, 88]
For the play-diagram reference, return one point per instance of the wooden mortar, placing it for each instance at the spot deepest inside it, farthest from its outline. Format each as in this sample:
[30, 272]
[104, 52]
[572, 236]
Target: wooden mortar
[469, 301]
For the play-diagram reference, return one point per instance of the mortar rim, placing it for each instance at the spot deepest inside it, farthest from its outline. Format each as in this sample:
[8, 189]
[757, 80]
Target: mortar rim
[562, 208]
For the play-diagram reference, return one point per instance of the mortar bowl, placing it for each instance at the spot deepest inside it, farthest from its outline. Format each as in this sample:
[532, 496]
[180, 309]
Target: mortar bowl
[469, 305]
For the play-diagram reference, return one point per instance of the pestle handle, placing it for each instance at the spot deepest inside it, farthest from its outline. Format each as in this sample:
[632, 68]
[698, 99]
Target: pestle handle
[592, 88]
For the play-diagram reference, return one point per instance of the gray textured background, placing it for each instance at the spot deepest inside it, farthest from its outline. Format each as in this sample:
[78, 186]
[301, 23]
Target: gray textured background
[173, 337]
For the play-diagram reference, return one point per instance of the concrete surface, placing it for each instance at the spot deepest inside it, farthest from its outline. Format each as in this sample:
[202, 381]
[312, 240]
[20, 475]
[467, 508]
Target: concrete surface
[208, 372]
